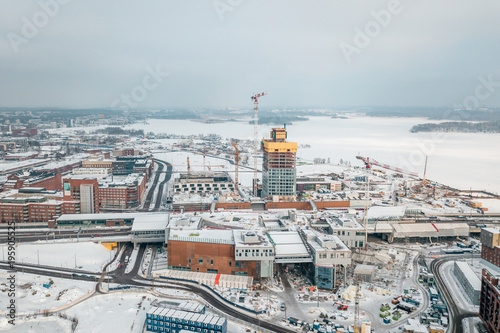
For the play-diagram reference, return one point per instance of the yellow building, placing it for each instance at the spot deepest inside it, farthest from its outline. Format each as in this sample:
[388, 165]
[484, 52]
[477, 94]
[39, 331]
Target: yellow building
[278, 166]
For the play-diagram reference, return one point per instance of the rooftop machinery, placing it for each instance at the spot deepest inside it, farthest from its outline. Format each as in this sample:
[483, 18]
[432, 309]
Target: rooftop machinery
[255, 99]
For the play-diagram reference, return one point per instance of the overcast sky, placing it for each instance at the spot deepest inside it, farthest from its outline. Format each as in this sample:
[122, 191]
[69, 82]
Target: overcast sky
[88, 53]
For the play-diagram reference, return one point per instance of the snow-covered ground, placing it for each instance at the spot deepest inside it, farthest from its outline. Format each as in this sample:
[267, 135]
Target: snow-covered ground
[493, 205]
[32, 297]
[36, 324]
[84, 255]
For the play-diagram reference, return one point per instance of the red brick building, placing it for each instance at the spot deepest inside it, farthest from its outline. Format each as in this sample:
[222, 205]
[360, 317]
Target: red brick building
[49, 181]
[489, 304]
[125, 195]
[21, 210]
[206, 251]
[84, 190]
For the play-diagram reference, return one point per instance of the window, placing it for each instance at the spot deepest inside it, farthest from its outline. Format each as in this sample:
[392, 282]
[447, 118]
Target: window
[237, 264]
[211, 262]
[229, 263]
[208, 261]
[200, 261]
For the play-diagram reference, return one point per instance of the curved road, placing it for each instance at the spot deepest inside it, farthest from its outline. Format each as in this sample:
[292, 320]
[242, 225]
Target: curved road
[456, 314]
[149, 196]
[131, 278]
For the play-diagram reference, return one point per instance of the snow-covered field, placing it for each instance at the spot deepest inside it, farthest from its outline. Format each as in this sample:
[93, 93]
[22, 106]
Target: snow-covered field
[32, 297]
[88, 256]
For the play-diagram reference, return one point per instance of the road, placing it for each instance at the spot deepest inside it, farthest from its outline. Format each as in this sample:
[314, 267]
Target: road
[456, 314]
[149, 197]
[133, 279]
[41, 235]
[168, 176]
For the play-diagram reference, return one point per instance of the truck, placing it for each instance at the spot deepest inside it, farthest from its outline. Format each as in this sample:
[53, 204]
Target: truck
[395, 300]
[412, 301]
[294, 321]
[406, 307]
[342, 307]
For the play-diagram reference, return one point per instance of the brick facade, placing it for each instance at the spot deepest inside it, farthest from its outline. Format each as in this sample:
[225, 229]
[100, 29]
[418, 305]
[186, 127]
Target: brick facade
[208, 257]
[489, 307]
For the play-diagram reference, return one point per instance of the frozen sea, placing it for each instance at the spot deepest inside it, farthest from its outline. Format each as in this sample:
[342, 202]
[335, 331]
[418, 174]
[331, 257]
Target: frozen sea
[462, 160]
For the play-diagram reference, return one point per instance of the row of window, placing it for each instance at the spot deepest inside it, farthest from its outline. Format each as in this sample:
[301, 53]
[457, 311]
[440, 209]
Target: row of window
[210, 262]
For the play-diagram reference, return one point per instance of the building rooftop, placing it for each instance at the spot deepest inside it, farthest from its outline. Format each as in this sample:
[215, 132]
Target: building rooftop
[185, 222]
[287, 243]
[492, 230]
[247, 238]
[6, 167]
[150, 221]
[22, 154]
[469, 274]
[103, 216]
[386, 212]
[202, 236]
[114, 181]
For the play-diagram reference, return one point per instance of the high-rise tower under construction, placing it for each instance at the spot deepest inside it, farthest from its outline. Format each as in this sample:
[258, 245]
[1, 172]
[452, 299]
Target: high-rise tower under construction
[278, 167]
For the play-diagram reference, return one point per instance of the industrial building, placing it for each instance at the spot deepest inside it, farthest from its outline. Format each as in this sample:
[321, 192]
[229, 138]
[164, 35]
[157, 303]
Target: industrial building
[203, 182]
[490, 288]
[393, 232]
[316, 183]
[278, 166]
[468, 281]
[174, 321]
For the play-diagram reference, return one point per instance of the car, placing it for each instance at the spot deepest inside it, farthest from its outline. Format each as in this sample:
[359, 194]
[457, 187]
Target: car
[98, 235]
[283, 306]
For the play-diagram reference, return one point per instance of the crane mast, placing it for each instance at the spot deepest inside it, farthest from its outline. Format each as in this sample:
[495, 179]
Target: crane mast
[357, 321]
[255, 99]
[236, 163]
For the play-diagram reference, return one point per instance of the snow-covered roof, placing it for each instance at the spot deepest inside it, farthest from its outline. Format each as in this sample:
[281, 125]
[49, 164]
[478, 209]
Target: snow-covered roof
[469, 274]
[202, 236]
[386, 212]
[22, 154]
[6, 167]
[288, 243]
[151, 221]
[256, 238]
